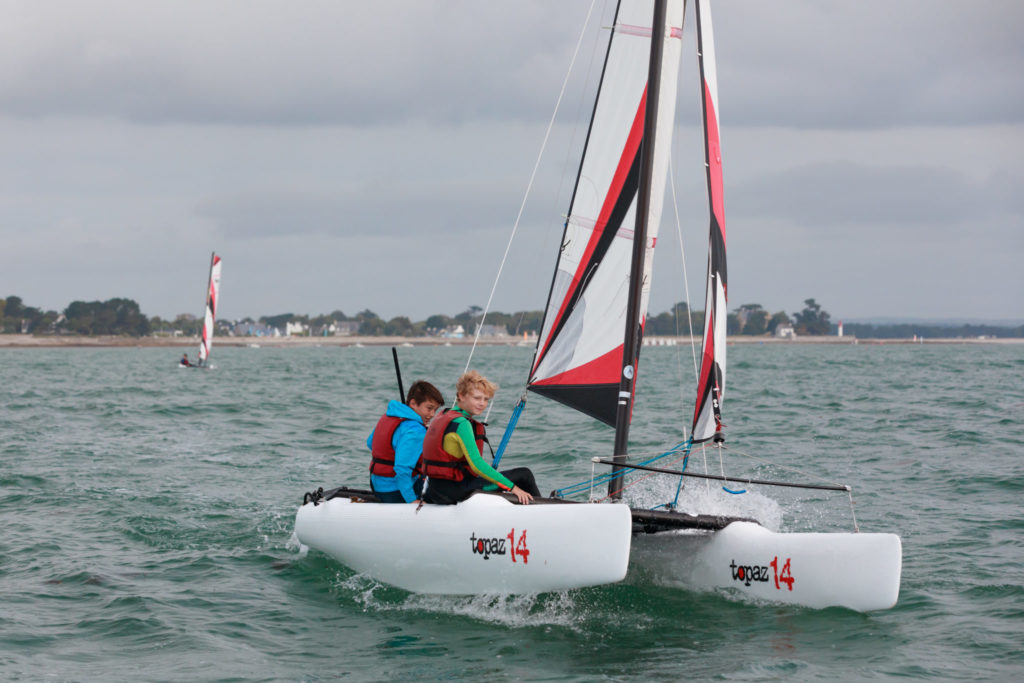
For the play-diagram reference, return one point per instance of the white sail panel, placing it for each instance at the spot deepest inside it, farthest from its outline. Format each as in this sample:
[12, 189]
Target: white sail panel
[579, 353]
[210, 314]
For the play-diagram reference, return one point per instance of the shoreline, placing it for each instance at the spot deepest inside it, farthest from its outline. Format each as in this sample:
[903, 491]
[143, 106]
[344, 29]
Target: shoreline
[28, 341]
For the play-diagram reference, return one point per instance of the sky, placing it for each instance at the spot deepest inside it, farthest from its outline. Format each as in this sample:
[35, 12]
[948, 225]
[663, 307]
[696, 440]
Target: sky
[344, 156]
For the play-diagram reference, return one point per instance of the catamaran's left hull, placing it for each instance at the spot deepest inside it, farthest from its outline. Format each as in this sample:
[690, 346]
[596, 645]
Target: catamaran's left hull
[484, 545]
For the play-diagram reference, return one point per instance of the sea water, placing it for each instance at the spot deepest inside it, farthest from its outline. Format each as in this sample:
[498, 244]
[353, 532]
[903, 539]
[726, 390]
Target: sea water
[147, 514]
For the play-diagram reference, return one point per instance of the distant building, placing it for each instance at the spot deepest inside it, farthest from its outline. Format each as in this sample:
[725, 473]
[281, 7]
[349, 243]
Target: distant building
[346, 328]
[785, 331]
[660, 341]
[494, 331]
[251, 329]
[296, 329]
[454, 332]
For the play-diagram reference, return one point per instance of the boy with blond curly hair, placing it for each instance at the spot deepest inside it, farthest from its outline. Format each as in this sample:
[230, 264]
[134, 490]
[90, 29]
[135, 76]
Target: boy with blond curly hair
[452, 450]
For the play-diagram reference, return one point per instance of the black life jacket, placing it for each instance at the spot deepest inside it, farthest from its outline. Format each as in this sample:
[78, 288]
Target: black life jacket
[439, 463]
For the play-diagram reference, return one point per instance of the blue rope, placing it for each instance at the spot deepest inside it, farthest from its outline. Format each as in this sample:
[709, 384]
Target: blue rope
[686, 460]
[604, 478]
[508, 431]
[682, 447]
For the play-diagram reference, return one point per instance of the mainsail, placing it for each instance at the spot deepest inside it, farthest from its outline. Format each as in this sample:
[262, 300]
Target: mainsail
[210, 315]
[579, 356]
[707, 417]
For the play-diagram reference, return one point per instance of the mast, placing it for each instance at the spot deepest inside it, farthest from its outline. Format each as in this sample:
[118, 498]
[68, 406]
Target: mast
[634, 328]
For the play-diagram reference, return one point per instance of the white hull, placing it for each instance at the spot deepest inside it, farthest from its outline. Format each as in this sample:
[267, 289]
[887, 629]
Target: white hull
[474, 547]
[858, 571]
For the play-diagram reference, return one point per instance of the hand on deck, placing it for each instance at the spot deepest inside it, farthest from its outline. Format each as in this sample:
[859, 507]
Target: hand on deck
[524, 497]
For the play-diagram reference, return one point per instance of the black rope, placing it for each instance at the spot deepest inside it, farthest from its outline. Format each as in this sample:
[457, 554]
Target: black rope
[764, 482]
[313, 497]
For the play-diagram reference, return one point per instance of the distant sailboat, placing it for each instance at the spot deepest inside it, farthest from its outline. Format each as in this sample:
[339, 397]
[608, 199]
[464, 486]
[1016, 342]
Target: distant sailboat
[210, 313]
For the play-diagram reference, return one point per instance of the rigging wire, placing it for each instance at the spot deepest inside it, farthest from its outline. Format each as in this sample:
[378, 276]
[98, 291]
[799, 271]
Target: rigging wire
[686, 279]
[557, 196]
[682, 450]
[529, 187]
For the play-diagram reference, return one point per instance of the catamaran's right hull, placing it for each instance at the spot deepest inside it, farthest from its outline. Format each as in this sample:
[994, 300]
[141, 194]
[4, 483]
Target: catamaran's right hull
[859, 571]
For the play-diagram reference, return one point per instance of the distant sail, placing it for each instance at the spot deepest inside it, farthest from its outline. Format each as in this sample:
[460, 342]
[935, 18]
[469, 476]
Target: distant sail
[578, 360]
[707, 417]
[210, 316]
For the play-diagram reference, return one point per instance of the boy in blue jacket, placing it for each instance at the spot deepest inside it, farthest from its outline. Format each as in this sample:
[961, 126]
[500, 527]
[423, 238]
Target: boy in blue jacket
[396, 445]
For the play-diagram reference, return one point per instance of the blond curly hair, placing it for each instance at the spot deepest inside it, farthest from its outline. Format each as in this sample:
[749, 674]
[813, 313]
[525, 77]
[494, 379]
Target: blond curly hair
[474, 380]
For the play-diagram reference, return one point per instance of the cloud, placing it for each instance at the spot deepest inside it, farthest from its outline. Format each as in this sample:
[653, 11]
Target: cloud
[844, 193]
[394, 209]
[270, 63]
[841, 66]
[327, 63]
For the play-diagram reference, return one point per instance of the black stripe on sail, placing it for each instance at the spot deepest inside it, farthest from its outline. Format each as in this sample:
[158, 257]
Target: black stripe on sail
[718, 253]
[596, 400]
[702, 400]
[604, 243]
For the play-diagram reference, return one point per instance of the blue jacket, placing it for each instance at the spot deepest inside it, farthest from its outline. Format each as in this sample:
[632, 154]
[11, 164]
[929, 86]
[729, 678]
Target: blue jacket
[408, 444]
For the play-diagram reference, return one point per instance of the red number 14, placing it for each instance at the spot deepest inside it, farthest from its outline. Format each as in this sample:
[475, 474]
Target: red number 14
[520, 548]
[785, 577]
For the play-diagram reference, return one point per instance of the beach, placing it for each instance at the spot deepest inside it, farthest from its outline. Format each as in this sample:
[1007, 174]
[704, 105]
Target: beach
[100, 341]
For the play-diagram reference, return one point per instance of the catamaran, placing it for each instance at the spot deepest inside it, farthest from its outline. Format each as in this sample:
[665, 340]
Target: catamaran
[587, 358]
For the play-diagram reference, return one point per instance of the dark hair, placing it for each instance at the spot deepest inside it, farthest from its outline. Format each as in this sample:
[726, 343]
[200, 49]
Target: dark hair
[421, 391]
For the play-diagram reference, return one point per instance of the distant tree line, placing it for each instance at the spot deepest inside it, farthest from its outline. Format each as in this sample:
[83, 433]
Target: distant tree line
[16, 317]
[925, 331]
[748, 319]
[123, 317]
[111, 317]
[371, 324]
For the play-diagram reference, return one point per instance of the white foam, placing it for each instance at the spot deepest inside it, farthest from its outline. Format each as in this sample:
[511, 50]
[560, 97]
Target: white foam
[706, 498]
[514, 611]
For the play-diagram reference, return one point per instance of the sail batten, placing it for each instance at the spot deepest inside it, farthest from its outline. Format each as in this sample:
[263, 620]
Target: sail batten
[580, 349]
[707, 417]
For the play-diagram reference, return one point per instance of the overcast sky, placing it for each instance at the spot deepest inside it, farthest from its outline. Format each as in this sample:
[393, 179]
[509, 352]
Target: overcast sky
[343, 156]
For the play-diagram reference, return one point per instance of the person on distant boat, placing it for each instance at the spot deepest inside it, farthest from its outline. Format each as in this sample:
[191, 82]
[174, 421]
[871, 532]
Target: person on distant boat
[396, 445]
[184, 361]
[452, 450]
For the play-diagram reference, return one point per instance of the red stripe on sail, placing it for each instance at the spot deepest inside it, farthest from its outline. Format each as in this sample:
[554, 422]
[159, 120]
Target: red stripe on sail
[604, 369]
[213, 292]
[629, 152]
[715, 161]
[646, 31]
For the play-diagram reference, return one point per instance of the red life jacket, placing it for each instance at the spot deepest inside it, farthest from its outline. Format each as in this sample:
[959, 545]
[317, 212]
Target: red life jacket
[382, 449]
[439, 463]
